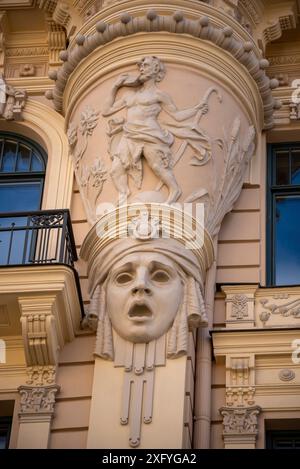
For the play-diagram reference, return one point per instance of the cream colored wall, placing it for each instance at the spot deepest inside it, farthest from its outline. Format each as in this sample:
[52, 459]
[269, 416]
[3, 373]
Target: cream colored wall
[75, 376]
[239, 241]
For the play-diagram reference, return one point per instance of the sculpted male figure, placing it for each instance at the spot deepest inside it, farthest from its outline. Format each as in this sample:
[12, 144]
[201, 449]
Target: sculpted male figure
[11, 101]
[141, 131]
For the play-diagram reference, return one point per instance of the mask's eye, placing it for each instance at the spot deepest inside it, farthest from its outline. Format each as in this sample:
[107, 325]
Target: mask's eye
[160, 276]
[123, 278]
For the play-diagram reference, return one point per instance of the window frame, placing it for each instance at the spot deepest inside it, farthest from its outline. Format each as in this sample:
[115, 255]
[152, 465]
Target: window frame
[273, 191]
[24, 176]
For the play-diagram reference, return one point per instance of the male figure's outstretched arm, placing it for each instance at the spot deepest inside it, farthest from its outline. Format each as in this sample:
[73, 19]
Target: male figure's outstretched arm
[170, 107]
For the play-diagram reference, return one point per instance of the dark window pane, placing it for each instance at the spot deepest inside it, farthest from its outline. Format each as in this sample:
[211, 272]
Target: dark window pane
[23, 163]
[3, 441]
[18, 197]
[36, 163]
[5, 427]
[296, 166]
[283, 439]
[287, 235]
[9, 157]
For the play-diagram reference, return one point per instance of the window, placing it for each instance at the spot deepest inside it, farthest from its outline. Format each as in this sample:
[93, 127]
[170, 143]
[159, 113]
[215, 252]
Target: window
[283, 439]
[284, 214]
[22, 173]
[5, 428]
[6, 414]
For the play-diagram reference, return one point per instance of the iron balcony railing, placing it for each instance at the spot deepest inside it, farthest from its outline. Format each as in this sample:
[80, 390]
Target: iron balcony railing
[44, 237]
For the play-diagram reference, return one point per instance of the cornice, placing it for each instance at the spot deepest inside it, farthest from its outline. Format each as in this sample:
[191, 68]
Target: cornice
[187, 22]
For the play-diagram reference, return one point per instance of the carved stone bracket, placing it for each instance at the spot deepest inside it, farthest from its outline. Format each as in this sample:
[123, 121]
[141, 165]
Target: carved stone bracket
[56, 42]
[240, 426]
[240, 305]
[39, 329]
[240, 380]
[37, 403]
[41, 375]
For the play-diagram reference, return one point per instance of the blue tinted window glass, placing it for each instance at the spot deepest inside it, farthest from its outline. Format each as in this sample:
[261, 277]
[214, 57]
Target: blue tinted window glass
[287, 236]
[16, 197]
[36, 163]
[23, 163]
[19, 197]
[9, 157]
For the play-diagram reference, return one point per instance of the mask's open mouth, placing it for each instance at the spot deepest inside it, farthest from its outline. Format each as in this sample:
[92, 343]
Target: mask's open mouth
[140, 311]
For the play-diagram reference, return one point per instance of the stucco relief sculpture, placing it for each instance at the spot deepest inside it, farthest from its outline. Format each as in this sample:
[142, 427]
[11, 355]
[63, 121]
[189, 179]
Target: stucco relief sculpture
[240, 420]
[12, 101]
[90, 178]
[146, 296]
[140, 133]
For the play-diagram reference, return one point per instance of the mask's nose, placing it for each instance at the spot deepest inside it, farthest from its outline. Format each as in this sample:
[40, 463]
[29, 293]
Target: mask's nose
[141, 285]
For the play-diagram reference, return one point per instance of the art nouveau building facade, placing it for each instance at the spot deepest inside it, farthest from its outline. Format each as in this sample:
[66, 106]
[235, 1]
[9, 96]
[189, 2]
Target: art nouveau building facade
[149, 198]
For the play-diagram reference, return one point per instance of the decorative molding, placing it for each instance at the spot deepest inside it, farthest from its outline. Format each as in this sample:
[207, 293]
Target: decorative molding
[240, 426]
[42, 122]
[240, 380]
[27, 70]
[27, 51]
[175, 23]
[139, 362]
[286, 375]
[240, 396]
[61, 14]
[39, 329]
[254, 9]
[37, 399]
[289, 309]
[88, 8]
[56, 43]
[251, 306]
[240, 420]
[48, 320]
[41, 375]
[239, 308]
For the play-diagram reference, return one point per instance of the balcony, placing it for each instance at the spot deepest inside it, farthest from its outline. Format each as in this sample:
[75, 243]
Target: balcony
[40, 297]
[43, 237]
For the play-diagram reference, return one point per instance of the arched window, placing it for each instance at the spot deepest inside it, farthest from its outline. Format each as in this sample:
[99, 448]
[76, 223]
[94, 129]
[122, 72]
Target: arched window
[22, 173]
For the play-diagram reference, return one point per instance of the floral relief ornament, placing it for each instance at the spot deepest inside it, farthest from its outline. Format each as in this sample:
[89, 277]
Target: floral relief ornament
[88, 177]
[291, 308]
